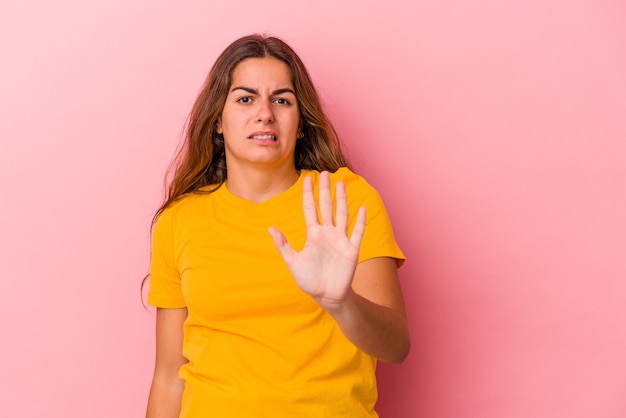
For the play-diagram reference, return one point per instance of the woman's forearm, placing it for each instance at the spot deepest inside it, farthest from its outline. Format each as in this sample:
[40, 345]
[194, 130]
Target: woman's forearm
[377, 330]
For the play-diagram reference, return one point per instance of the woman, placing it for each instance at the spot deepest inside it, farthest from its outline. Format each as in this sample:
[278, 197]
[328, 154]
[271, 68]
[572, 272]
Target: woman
[275, 291]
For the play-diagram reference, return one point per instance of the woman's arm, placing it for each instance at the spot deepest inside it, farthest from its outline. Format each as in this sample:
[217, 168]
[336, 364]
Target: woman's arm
[372, 315]
[365, 299]
[167, 388]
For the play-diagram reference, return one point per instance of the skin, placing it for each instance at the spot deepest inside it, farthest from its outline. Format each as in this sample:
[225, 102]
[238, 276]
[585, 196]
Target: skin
[167, 388]
[261, 100]
[364, 298]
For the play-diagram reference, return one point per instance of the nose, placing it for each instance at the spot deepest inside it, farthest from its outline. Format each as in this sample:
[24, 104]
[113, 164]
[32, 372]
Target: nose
[265, 113]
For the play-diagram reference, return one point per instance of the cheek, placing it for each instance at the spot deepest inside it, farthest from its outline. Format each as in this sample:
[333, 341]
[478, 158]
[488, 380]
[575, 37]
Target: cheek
[295, 121]
[228, 123]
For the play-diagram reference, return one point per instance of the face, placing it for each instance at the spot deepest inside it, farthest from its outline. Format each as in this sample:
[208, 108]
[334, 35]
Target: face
[260, 120]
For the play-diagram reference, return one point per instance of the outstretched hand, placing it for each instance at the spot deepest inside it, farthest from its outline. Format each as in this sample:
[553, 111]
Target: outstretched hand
[325, 267]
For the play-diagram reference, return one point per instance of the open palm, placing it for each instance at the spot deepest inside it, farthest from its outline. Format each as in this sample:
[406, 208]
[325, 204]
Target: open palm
[325, 267]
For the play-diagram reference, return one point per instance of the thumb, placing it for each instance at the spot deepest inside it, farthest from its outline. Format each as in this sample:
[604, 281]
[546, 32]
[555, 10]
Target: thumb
[284, 248]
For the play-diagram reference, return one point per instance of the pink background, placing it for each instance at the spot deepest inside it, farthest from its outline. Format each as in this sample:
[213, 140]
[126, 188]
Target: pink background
[494, 130]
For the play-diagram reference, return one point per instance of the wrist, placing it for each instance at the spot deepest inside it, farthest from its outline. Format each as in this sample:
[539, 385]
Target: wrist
[338, 307]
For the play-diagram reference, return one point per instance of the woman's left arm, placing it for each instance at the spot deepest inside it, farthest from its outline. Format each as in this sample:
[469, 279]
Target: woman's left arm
[365, 298]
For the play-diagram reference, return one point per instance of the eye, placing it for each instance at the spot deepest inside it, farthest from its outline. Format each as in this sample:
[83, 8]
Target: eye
[245, 99]
[282, 101]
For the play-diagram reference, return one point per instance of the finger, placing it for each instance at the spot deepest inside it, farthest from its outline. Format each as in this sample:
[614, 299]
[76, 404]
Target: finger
[341, 213]
[326, 202]
[284, 248]
[359, 227]
[308, 203]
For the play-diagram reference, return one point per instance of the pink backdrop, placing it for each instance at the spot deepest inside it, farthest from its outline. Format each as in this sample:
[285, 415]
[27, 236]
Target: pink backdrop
[494, 130]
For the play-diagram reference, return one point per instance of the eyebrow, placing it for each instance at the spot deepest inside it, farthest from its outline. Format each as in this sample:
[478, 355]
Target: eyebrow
[255, 91]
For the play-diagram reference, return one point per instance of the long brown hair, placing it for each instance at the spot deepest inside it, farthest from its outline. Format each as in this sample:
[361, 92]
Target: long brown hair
[201, 161]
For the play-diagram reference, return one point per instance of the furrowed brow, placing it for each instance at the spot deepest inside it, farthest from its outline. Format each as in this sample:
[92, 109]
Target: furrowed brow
[248, 89]
[255, 91]
[285, 90]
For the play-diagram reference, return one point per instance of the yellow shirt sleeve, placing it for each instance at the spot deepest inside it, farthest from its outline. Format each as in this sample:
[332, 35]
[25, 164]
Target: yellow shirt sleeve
[165, 285]
[378, 238]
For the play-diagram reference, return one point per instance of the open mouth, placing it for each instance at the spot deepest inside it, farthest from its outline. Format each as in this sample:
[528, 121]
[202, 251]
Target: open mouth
[263, 137]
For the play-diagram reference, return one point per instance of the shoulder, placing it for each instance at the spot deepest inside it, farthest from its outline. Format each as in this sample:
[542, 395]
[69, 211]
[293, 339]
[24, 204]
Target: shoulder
[186, 206]
[346, 176]
[356, 185]
[359, 191]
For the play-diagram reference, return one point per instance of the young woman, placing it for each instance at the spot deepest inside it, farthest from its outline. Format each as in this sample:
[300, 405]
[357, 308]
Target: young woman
[274, 267]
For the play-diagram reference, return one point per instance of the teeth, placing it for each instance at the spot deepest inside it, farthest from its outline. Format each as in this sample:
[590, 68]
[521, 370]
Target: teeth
[272, 137]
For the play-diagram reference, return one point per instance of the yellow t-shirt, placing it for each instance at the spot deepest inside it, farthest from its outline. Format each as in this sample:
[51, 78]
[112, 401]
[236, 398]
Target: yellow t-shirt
[257, 345]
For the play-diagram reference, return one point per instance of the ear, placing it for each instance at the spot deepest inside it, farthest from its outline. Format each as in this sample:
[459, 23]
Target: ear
[218, 126]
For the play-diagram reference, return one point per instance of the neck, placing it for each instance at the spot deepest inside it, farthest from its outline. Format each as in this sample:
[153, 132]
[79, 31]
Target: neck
[259, 185]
